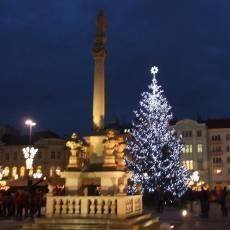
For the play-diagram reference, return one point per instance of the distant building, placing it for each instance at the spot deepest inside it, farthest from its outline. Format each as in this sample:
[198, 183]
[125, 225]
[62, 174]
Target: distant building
[195, 152]
[219, 151]
[7, 130]
[51, 158]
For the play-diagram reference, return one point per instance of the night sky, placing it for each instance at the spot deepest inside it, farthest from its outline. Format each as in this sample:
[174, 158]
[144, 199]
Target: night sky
[46, 64]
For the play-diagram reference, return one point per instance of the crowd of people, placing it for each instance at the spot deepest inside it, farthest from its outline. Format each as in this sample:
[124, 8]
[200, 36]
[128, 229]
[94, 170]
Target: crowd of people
[205, 196]
[21, 203]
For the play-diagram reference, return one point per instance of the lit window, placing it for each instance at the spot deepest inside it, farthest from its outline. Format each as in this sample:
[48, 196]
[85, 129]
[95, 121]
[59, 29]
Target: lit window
[14, 171]
[6, 171]
[199, 148]
[22, 171]
[31, 172]
[187, 148]
[188, 164]
[52, 171]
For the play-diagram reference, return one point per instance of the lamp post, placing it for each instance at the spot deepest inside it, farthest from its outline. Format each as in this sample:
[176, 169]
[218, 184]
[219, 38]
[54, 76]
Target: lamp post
[30, 123]
[29, 153]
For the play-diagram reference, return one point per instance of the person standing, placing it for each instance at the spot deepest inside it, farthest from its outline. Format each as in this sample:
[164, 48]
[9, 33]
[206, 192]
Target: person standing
[223, 196]
[204, 203]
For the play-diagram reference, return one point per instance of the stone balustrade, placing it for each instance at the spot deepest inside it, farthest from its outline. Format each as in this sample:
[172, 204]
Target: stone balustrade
[120, 205]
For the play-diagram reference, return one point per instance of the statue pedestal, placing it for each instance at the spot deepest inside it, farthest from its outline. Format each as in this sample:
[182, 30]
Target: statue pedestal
[72, 181]
[73, 162]
[109, 161]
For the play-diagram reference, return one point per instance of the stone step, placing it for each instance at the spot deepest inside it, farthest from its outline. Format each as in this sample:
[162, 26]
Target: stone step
[145, 221]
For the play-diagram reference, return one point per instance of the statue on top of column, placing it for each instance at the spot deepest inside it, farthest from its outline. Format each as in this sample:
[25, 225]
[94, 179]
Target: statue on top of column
[100, 38]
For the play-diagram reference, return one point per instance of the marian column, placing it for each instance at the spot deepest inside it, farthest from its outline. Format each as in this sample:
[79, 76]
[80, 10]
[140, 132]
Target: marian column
[99, 53]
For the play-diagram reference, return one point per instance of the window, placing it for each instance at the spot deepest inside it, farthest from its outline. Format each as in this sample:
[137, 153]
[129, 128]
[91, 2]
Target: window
[52, 171]
[187, 134]
[15, 156]
[22, 171]
[216, 149]
[228, 149]
[14, 171]
[228, 159]
[188, 164]
[228, 171]
[52, 156]
[227, 137]
[217, 160]
[216, 138]
[199, 133]
[187, 148]
[31, 172]
[199, 148]
[6, 171]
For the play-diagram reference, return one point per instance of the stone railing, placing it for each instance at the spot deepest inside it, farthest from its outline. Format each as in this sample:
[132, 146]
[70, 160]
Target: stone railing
[120, 206]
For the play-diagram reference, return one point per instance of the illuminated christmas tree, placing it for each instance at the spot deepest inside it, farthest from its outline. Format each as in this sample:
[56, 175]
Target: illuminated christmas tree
[154, 149]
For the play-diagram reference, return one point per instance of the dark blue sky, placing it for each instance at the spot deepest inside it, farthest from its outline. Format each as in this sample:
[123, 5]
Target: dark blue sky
[46, 65]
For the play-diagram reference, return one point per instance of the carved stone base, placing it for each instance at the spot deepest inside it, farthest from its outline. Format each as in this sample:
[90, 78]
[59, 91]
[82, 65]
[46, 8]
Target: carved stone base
[73, 162]
[109, 161]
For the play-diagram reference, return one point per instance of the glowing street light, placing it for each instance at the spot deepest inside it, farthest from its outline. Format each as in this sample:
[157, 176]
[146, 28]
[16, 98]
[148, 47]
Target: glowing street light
[30, 123]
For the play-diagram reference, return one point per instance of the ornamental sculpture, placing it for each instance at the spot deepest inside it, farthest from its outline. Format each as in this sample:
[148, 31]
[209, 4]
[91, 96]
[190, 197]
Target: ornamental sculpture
[109, 149]
[74, 145]
[120, 152]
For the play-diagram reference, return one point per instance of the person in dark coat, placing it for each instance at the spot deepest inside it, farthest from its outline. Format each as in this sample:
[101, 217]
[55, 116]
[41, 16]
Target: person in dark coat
[204, 203]
[223, 196]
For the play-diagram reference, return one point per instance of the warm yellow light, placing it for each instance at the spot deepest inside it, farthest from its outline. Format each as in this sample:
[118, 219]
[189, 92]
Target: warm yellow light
[218, 171]
[184, 213]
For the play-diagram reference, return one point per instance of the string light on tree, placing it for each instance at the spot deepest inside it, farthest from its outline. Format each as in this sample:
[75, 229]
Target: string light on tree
[154, 149]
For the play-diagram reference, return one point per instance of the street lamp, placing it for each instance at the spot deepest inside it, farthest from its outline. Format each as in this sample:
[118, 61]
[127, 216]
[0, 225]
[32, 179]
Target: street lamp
[30, 123]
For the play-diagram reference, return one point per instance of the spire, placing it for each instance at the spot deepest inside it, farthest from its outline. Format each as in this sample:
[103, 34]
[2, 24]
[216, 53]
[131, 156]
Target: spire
[99, 53]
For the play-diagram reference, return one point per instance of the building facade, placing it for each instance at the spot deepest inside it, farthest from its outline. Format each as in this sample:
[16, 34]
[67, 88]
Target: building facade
[50, 160]
[195, 152]
[219, 152]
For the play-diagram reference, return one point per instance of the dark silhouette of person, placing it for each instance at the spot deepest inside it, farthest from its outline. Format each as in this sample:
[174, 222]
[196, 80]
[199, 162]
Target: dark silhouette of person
[223, 195]
[204, 203]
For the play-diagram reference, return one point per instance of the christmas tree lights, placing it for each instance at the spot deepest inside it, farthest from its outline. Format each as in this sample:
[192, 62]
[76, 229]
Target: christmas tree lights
[154, 151]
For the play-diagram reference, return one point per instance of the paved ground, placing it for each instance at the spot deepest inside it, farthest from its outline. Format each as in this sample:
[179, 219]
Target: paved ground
[173, 217]
[170, 217]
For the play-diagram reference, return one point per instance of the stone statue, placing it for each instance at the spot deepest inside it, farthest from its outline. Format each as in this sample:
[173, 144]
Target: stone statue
[100, 39]
[109, 149]
[120, 152]
[74, 145]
